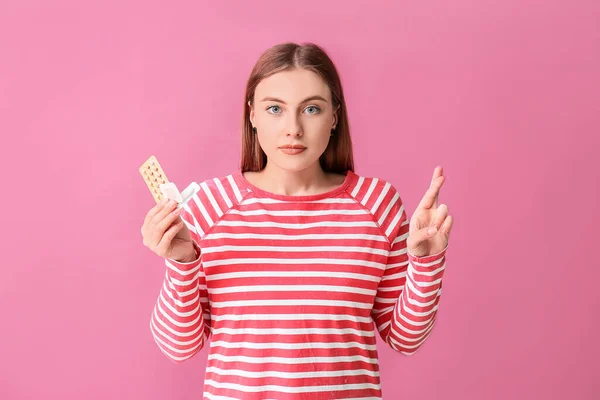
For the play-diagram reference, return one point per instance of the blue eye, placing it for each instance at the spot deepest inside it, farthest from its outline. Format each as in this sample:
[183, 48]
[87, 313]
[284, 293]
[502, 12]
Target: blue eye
[271, 107]
[317, 109]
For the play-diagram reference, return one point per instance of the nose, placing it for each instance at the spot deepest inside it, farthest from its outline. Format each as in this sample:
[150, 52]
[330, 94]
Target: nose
[294, 128]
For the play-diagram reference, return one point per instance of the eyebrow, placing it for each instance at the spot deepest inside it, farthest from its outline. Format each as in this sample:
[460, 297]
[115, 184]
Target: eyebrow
[303, 101]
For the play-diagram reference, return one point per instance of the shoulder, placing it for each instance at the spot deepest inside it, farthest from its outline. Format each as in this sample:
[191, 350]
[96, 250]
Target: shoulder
[212, 199]
[225, 188]
[380, 198]
[371, 192]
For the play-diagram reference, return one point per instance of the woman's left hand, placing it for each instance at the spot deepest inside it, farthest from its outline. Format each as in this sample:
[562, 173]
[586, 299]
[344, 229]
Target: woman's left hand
[430, 225]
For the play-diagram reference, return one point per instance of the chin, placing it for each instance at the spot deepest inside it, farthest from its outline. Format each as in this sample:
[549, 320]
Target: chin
[294, 163]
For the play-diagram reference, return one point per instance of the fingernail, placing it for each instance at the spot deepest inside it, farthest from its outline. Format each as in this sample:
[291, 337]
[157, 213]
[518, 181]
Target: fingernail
[432, 230]
[164, 201]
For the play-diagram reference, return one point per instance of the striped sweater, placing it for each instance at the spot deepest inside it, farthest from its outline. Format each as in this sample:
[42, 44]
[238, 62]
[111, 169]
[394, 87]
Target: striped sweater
[290, 290]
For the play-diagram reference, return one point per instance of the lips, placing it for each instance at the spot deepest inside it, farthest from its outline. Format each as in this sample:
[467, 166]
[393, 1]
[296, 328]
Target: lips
[292, 149]
[293, 146]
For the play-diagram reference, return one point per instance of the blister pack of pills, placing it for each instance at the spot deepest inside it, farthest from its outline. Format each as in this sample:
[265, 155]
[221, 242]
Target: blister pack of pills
[161, 187]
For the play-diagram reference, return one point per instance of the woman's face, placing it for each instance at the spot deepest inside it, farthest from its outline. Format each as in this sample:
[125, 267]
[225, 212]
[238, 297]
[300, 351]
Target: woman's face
[293, 108]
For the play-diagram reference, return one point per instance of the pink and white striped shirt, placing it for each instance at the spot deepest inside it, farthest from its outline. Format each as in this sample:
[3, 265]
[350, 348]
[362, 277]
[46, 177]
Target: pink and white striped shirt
[291, 288]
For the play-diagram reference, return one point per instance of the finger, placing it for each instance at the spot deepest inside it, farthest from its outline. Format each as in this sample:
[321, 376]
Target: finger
[163, 212]
[167, 238]
[429, 200]
[147, 229]
[440, 215]
[155, 210]
[437, 172]
[437, 194]
[161, 226]
[420, 235]
[167, 221]
[154, 231]
[447, 225]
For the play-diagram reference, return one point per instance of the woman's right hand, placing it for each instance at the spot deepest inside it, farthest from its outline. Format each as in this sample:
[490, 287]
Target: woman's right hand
[166, 235]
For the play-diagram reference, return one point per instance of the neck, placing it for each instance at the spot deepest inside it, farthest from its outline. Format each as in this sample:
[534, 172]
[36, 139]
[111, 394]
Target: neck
[293, 183]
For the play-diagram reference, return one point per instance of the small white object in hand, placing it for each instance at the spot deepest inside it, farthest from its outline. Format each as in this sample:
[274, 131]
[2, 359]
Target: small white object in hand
[170, 191]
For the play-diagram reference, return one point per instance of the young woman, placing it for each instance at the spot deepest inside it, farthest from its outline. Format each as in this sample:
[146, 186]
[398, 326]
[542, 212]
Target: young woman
[290, 263]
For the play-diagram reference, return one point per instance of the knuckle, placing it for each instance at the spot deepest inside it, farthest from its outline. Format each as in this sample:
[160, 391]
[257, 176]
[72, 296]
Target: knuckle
[149, 215]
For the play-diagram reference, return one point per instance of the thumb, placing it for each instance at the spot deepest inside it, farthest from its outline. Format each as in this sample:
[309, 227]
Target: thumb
[422, 235]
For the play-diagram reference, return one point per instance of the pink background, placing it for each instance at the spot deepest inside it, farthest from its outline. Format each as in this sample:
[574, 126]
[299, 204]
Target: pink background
[504, 95]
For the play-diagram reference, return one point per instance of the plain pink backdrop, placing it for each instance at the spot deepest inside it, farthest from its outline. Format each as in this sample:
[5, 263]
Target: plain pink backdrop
[504, 95]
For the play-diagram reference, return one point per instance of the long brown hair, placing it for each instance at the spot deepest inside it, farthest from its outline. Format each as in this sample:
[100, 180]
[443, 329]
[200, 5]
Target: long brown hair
[338, 157]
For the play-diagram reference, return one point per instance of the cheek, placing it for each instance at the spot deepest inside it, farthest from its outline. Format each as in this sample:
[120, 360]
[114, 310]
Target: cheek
[320, 135]
[268, 128]
[321, 141]
[267, 139]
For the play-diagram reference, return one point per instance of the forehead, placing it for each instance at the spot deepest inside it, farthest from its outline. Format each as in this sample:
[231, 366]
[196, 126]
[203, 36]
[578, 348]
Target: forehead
[292, 86]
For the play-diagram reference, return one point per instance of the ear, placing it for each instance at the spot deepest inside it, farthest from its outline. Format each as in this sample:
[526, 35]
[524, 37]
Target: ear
[335, 117]
[251, 112]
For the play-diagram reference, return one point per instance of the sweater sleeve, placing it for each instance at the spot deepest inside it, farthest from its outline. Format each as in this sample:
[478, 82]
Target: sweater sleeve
[408, 295]
[180, 322]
